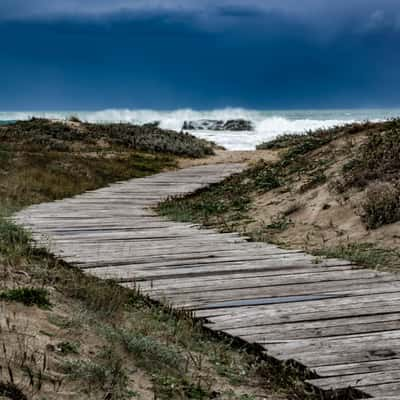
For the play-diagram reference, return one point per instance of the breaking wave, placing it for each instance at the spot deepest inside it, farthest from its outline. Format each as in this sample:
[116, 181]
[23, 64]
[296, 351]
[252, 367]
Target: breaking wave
[267, 124]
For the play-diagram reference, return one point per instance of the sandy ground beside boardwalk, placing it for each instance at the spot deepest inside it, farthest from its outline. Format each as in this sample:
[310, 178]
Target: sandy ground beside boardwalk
[225, 156]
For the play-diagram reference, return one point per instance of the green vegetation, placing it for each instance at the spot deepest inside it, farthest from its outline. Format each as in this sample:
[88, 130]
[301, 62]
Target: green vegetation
[41, 160]
[376, 167]
[224, 200]
[279, 223]
[27, 296]
[105, 374]
[149, 352]
[68, 347]
[231, 198]
[301, 144]
[366, 254]
[381, 205]
[11, 391]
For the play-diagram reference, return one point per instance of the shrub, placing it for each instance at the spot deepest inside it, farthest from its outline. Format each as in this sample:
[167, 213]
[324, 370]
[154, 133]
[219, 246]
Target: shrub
[382, 205]
[11, 391]
[105, 372]
[267, 179]
[150, 353]
[279, 223]
[27, 296]
[68, 347]
[317, 179]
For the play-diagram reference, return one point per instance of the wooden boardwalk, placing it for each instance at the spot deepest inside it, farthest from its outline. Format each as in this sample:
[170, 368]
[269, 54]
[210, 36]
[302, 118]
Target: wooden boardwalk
[333, 317]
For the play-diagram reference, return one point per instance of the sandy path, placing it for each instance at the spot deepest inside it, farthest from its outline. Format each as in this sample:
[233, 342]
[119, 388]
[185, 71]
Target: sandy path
[225, 156]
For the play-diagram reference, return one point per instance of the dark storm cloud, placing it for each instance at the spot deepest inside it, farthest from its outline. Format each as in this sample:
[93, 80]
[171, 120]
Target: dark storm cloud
[171, 53]
[372, 11]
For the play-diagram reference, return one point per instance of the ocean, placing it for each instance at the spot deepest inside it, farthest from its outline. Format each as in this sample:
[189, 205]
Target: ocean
[266, 124]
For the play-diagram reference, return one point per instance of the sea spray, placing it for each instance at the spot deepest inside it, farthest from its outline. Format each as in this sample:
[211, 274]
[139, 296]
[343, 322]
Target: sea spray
[266, 124]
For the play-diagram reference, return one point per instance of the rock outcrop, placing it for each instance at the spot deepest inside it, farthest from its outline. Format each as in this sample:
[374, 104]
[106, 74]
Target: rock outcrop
[218, 125]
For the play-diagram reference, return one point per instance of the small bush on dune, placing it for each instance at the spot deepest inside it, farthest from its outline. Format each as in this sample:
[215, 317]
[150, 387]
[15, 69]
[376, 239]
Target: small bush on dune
[10, 391]
[27, 296]
[267, 178]
[382, 205]
[105, 372]
[151, 353]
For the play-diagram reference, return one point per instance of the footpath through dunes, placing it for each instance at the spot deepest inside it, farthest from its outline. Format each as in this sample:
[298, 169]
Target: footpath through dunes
[333, 317]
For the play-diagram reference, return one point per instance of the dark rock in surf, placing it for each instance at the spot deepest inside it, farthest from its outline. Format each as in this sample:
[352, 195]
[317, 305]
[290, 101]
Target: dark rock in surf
[238, 125]
[218, 125]
[203, 124]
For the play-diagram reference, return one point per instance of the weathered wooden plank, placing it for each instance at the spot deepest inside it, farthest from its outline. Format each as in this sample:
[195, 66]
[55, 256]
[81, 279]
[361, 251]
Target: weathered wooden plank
[390, 389]
[215, 300]
[358, 368]
[231, 318]
[321, 328]
[357, 380]
[187, 287]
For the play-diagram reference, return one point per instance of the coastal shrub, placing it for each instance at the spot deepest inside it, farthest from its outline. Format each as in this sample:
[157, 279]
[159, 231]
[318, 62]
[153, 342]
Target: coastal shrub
[11, 391]
[267, 178]
[382, 205]
[27, 296]
[317, 179]
[149, 353]
[105, 372]
[279, 223]
[68, 347]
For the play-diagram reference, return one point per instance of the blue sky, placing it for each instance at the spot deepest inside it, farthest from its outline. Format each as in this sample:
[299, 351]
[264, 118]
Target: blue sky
[93, 54]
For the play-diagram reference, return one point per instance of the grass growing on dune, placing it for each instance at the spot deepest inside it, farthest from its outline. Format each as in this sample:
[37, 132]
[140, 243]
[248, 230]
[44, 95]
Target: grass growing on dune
[60, 136]
[42, 160]
[37, 177]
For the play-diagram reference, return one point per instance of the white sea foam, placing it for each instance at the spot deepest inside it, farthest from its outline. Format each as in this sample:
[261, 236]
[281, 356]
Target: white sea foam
[268, 124]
